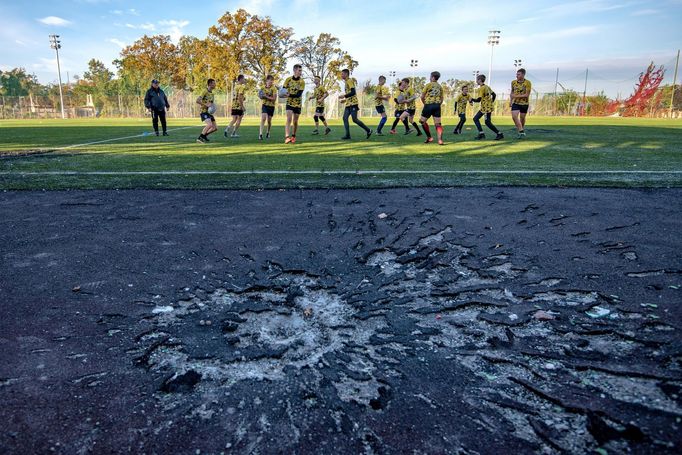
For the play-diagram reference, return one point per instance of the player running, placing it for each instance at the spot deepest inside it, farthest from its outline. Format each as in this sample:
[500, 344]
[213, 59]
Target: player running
[399, 99]
[382, 94]
[238, 99]
[350, 97]
[268, 93]
[486, 97]
[294, 86]
[319, 95]
[410, 100]
[461, 108]
[520, 93]
[432, 98]
[205, 101]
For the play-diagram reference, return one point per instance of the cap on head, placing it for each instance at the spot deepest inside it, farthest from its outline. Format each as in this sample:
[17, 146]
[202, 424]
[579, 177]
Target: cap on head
[155, 81]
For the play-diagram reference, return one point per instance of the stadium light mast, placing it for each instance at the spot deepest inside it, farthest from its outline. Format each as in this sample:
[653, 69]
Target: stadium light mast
[55, 44]
[672, 95]
[518, 63]
[476, 73]
[493, 40]
[413, 65]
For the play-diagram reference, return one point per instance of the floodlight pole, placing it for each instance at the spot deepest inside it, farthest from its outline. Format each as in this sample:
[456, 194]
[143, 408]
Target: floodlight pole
[587, 70]
[55, 44]
[493, 40]
[413, 65]
[672, 95]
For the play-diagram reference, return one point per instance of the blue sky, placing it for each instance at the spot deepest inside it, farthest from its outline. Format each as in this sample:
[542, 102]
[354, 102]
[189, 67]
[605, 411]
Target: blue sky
[614, 39]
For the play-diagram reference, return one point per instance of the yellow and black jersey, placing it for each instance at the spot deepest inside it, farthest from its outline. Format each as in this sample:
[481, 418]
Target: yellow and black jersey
[350, 84]
[382, 91]
[519, 88]
[318, 95]
[206, 98]
[272, 91]
[396, 96]
[433, 93]
[238, 97]
[409, 93]
[295, 88]
[487, 97]
[461, 103]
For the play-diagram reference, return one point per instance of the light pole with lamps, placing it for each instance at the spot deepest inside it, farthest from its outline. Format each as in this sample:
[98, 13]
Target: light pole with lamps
[518, 63]
[56, 44]
[413, 65]
[493, 40]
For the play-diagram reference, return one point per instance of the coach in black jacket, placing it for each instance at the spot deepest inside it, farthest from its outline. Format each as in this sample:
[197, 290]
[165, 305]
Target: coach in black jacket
[155, 100]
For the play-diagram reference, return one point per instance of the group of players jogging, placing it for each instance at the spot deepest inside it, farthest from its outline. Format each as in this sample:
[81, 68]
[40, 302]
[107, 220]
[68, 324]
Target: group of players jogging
[404, 97]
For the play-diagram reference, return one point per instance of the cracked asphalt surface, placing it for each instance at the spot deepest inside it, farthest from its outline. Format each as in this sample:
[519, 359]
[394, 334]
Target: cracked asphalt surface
[467, 320]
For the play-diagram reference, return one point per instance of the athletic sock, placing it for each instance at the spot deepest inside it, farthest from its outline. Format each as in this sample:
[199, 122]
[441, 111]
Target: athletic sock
[416, 127]
[382, 122]
[407, 125]
[395, 123]
[439, 130]
[427, 130]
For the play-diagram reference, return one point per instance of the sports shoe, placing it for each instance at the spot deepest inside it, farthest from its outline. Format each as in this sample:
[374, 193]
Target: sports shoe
[165, 133]
[226, 133]
[345, 138]
[499, 136]
[201, 140]
[267, 135]
[428, 140]
[419, 133]
[409, 131]
[316, 132]
[234, 136]
[392, 132]
[287, 140]
[369, 134]
[521, 136]
[480, 136]
[293, 139]
[327, 131]
[455, 131]
[260, 137]
[157, 133]
[379, 133]
[440, 142]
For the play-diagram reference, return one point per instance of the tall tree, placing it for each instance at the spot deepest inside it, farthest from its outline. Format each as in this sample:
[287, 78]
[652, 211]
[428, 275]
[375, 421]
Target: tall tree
[268, 47]
[17, 82]
[323, 56]
[227, 43]
[98, 78]
[153, 57]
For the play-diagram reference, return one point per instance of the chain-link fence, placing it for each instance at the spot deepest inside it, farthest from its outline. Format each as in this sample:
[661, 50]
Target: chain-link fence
[183, 105]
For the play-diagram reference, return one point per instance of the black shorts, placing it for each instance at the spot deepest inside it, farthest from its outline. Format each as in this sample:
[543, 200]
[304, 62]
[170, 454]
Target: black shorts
[270, 110]
[295, 110]
[237, 112]
[431, 110]
[319, 110]
[206, 116]
[411, 112]
[380, 109]
[520, 107]
[399, 112]
[351, 109]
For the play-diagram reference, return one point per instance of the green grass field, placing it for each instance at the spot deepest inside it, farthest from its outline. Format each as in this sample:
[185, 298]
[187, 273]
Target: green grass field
[37, 154]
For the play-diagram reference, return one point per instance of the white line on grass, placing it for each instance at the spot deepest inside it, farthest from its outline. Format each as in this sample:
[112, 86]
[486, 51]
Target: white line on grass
[119, 138]
[339, 172]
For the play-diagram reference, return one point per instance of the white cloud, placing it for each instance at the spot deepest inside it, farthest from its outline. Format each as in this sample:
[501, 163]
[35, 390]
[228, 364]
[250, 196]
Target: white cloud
[256, 6]
[54, 20]
[117, 42]
[134, 12]
[173, 28]
[117, 12]
[645, 12]
[146, 26]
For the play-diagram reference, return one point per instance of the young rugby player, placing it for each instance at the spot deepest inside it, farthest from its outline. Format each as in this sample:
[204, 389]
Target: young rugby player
[206, 102]
[410, 106]
[461, 108]
[238, 99]
[432, 98]
[269, 96]
[520, 94]
[381, 95]
[486, 97]
[398, 98]
[350, 97]
[294, 86]
[319, 95]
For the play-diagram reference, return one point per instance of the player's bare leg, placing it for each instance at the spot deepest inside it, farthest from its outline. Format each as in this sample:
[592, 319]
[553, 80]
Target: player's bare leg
[295, 122]
[287, 127]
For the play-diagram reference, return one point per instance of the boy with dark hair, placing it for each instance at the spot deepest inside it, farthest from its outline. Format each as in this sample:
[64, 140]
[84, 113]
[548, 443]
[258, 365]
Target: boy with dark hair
[319, 95]
[432, 98]
[294, 86]
[399, 99]
[410, 100]
[461, 108]
[381, 95]
[350, 97]
[238, 99]
[486, 97]
[520, 94]
[207, 109]
[269, 96]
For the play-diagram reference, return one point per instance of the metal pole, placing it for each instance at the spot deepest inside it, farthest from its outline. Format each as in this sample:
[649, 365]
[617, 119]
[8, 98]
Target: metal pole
[585, 91]
[490, 67]
[56, 45]
[672, 95]
[556, 83]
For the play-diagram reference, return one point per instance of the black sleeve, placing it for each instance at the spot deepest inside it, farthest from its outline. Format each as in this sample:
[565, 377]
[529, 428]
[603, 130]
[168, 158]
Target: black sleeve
[494, 95]
[297, 95]
[165, 98]
[147, 100]
[455, 106]
[476, 100]
[351, 93]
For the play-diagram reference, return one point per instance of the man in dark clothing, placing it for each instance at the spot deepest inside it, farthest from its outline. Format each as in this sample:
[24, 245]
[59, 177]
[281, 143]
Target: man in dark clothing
[155, 100]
